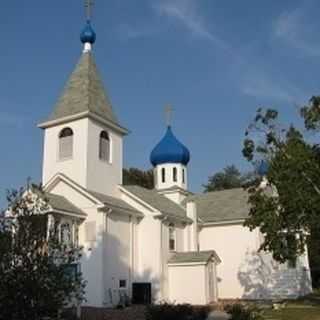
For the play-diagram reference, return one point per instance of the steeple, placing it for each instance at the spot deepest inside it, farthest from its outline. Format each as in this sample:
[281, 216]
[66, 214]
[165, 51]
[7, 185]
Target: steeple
[82, 137]
[84, 95]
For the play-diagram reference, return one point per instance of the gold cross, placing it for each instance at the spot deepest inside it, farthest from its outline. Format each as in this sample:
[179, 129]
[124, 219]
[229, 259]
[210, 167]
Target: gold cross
[88, 5]
[168, 111]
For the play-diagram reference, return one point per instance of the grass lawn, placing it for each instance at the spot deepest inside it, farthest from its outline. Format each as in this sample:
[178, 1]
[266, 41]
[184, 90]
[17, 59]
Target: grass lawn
[304, 309]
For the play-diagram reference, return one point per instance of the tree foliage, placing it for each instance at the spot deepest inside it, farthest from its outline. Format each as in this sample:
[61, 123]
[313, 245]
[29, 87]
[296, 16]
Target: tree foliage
[134, 176]
[288, 208]
[229, 178]
[35, 267]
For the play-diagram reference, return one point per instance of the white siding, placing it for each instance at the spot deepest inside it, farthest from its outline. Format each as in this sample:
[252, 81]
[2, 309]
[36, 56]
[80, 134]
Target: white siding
[245, 273]
[188, 284]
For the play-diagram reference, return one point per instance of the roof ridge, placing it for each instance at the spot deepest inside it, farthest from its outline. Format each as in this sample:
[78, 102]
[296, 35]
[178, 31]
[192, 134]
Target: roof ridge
[204, 194]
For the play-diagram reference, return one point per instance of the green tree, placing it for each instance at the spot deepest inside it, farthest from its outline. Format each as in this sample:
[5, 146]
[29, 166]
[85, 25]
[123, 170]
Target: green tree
[134, 176]
[229, 178]
[37, 271]
[286, 210]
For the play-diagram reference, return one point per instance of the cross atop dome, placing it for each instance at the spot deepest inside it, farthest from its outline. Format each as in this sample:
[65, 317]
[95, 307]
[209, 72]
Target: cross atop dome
[168, 111]
[88, 5]
[88, 35]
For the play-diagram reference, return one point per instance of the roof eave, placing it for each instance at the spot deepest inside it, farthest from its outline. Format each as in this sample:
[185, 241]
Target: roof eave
[122, 210]
[173, 217]
[81, 115]
[222, 222]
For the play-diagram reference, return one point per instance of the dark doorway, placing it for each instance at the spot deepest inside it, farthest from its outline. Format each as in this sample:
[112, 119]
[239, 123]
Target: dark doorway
[141, 293]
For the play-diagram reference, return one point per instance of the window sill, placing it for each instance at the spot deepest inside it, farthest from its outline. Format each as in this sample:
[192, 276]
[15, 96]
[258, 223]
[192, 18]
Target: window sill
[105, 161]
[64, 159]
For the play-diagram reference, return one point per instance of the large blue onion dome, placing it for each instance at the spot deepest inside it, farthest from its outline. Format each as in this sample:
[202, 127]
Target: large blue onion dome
[169, 150]
[262, 168]
[88, 35]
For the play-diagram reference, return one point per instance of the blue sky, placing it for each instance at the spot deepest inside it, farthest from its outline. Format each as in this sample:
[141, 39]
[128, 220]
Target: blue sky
[214, 61]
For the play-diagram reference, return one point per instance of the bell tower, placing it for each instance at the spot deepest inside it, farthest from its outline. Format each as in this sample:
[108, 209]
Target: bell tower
[170, 159]
[82, 137]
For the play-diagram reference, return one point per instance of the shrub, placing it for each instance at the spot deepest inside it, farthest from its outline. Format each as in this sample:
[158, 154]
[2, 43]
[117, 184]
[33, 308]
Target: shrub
[241, 312]
[176, 312]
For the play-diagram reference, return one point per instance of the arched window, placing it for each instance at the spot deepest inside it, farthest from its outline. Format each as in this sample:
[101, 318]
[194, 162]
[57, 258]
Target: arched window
[172, 237]
[65, 143]
[163, 175]
[175, 174]
[104, 146]
[183, 176]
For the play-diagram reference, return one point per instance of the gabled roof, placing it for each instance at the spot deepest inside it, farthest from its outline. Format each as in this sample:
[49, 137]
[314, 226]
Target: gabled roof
[60, 203]
[159, 202]
[115, 203]
[221, 206]
[84, 92]
[193, 257]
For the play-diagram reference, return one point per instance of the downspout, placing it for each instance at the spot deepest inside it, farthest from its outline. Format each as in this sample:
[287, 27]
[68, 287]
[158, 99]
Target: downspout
[162, 277]
[104, 254]
[132, 251]
[161, 258]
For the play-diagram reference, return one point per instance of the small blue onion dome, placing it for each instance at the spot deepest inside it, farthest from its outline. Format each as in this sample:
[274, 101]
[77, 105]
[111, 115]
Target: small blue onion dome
[169, 150]
[263, 168]
[88, 35]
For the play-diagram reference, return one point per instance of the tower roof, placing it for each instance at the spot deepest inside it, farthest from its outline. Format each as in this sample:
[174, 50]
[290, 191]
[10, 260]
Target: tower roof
[84, 94]
[170, 150]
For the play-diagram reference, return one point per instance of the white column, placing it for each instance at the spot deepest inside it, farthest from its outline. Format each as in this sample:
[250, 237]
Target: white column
[193, 228]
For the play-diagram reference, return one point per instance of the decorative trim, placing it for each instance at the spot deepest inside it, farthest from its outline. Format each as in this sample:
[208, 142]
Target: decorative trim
[221, 223]
[81, 115]
[186, 264]
[72, 184]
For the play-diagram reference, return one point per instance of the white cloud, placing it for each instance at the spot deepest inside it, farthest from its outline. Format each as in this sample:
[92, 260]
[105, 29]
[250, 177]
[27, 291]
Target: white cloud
[261, 84]
[186, 12]
[298, 28]
[130, 32]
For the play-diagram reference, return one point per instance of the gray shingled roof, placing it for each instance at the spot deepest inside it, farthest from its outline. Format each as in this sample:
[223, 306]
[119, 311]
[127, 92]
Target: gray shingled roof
[60, 203]
[115, 203]
[158, 201]
[192, 257]
[221, 206]
[83, 92]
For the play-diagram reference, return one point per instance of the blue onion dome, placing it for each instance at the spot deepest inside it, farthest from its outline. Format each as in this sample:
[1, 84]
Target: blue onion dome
[263, 168]
[88, 35]
[169, 150]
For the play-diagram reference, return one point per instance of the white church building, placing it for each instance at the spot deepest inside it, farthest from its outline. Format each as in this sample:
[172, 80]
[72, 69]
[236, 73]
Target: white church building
[165, 244]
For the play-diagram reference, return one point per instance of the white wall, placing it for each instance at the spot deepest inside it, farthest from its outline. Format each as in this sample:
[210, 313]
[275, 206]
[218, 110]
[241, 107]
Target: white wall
[117, 263]
[103, 176]
[244, 273]
[84, 167]
[175, 196]
[167, 254]
[188, 284]
[107, 259]
[169, 176]
[92, 260]
[76, 167]
[148, 262]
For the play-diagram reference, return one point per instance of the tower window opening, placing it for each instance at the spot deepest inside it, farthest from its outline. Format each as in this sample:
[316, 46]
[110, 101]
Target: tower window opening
[175, 175]
[183, 176]
[65, 143]
[163, 175]
[172, 238]
[104, 146]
